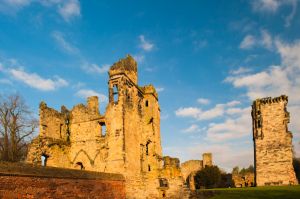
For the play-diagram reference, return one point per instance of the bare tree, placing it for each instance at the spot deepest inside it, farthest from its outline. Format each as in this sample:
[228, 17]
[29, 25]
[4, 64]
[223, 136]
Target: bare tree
[17, 124]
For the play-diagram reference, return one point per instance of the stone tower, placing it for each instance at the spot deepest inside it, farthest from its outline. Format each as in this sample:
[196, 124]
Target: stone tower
[273, 156]
[207, 159]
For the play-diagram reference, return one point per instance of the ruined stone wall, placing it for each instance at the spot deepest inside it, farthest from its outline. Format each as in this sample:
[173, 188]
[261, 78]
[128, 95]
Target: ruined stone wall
[189, 169]
[190, 166]
[25, 181]
[272, 142]
[246, 180]
[131, 143]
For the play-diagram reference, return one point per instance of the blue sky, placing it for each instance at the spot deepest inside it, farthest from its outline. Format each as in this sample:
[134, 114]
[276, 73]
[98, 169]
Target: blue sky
[208, 59]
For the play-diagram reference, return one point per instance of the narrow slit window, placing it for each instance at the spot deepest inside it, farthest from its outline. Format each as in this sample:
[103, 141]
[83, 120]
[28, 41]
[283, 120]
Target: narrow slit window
[147, 148]
[103, 129]
[149, 167]
[146, 103]
[60, 129]
[44, 159]
[115, 93]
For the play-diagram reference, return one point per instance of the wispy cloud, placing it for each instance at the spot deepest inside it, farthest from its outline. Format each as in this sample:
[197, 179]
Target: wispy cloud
[69, 9]
[199, 114]
[272, 7]
[13, 6]
[248, 42]
[264, 41]
[14, 71]
[139, 58]
[85, 93]
[36, 81]
[240, 70]
[63, 43]
[144, 44]
[95, 69]
[192, 129]
[276, 80]
[203, 101]
[160, 89]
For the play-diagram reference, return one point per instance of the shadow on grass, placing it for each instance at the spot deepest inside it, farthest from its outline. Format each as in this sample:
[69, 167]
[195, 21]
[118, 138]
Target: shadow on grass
[279, 192]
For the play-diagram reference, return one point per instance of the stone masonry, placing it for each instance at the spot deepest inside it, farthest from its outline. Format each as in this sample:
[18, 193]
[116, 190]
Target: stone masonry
[125, 139]
[273, 154]
[190, 168]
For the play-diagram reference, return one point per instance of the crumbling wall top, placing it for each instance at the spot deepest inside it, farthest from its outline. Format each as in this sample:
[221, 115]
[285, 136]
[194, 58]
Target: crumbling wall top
[126, 64]
[269, 100]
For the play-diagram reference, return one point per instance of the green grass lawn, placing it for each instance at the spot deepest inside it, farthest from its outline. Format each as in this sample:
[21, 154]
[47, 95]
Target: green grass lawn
[278, 192]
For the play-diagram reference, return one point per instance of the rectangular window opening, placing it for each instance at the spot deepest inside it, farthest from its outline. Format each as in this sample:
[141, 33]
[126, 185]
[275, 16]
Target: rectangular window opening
[103, 129]
[115, 93]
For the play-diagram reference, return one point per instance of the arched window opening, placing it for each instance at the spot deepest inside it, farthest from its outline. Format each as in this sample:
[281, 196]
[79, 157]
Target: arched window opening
[103, 129]
[149, 167]
[115, 93]
[80, 165]
[146, 103]
[44, 159]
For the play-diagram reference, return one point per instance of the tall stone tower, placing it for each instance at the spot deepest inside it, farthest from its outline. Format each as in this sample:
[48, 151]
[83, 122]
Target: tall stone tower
[273, 156]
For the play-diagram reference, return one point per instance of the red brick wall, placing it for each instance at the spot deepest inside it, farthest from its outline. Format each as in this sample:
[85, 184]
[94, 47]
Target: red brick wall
[46, 187]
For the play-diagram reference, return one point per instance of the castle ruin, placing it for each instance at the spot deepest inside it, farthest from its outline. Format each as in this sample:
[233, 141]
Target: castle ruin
[125, 139]
[273, 156]
[190, 168]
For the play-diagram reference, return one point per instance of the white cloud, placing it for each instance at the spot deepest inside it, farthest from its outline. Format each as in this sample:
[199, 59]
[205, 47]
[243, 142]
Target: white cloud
[266, 5]
[192, 129]
[35, 81]
[69, 9]
[266, 39]
[248, 42]
[203, 101]
[275, 81]
[197, 113]
[231, 128]
[95, 69]
[160, 89]
[63, 43]
[290, 17]
[139, 58]
[217, 111]
[272, 6]
[188, 112]
[18, 3]
[85, 93]
[144, 44]
[240, 70]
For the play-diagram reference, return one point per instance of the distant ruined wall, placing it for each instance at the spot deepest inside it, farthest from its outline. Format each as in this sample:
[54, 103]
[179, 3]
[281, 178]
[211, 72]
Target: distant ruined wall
[246, 180]
[25, 181]
[273, 154]
[190, 168]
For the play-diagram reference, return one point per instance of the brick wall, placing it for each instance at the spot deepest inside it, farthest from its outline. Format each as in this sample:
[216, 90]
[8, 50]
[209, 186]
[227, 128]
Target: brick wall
[23, 181]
